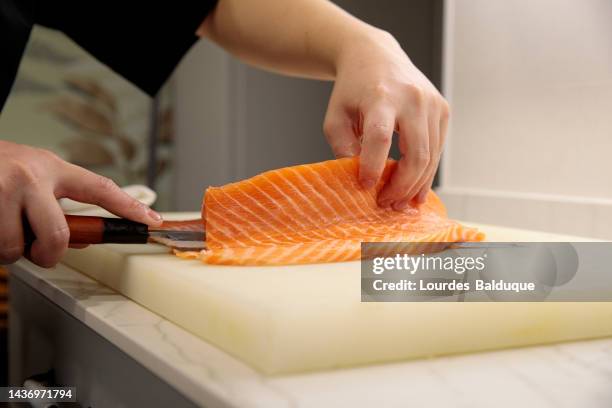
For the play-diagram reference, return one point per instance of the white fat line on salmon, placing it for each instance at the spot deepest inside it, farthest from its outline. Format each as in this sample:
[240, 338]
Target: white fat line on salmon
[309, 251]
[215, 227]
[321, 198]
[264, 254]
[239, 217]
[289, 200]
[272, 201]
[361, 192]
[345, 249]
[303, 197]
[340, 251]
[264, 221]
[259, 223]
[334, 193]
[340, 187]
[329, 249]
[341, 233]
[289, 253]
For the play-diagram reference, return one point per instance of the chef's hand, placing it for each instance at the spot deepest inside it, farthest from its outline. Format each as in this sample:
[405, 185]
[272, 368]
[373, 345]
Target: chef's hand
[378, 91]
[31, 181]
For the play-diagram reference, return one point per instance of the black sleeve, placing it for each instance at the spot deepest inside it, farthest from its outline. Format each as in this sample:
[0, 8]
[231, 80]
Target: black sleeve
[15, 28]
[142, 41]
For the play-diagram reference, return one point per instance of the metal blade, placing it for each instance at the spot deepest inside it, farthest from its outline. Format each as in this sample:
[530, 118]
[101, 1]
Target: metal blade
[179, 235]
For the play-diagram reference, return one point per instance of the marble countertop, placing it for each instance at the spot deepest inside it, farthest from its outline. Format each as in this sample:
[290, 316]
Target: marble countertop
[565, 375]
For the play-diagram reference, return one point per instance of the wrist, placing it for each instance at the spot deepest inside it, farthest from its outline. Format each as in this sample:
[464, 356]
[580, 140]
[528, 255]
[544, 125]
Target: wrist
[363, 46]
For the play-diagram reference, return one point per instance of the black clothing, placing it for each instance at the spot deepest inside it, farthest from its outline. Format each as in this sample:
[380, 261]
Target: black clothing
[143, 42]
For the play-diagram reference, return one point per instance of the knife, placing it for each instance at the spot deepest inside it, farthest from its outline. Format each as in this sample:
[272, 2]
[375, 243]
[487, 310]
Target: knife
[100, 230]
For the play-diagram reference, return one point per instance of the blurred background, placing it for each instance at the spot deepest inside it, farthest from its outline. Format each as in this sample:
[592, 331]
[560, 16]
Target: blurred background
[529, 82]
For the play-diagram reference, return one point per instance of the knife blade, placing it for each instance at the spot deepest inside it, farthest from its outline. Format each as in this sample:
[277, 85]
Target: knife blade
[181, 240]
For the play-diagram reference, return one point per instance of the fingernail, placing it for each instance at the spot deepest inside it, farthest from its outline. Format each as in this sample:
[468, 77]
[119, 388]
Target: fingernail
[385, 203]
[154, 215]
[401, 205]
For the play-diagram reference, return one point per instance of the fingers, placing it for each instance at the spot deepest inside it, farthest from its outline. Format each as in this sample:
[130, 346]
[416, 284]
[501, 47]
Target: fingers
[378, 127]
[11, 238]
[441, 131]
[416, 155]
[49, 226]
[421, 196]
[340, 134]
[430, 172]
[87, 187]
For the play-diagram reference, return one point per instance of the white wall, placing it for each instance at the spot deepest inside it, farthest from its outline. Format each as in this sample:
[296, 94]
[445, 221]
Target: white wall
[530, 85]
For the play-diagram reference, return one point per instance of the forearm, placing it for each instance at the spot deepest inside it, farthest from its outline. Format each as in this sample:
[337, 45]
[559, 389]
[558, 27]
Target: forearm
[294, 37]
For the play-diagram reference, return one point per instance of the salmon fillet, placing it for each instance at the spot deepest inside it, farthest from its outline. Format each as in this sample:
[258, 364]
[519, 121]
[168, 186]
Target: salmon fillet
[313, 213]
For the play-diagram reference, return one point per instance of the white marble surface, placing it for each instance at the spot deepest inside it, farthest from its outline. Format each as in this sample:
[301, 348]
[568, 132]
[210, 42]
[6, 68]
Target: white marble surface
[565, 375]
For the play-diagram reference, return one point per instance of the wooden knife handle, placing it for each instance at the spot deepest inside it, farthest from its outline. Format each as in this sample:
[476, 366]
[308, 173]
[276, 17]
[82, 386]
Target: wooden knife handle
[97, 230]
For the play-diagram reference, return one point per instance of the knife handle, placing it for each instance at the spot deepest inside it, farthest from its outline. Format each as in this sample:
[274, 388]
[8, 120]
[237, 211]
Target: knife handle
[97, 230]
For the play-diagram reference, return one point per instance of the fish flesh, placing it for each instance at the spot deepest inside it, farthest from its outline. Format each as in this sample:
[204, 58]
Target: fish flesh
[314, 213]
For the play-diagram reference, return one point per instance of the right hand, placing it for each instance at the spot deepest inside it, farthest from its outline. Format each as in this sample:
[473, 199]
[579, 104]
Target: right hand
[378, 90]
[31, 182]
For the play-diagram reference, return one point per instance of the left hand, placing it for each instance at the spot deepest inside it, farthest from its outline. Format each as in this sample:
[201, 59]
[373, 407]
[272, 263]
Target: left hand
[378, 90]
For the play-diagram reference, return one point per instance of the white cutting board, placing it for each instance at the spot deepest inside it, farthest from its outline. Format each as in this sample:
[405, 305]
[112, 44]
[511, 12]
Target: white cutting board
[310, 317]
